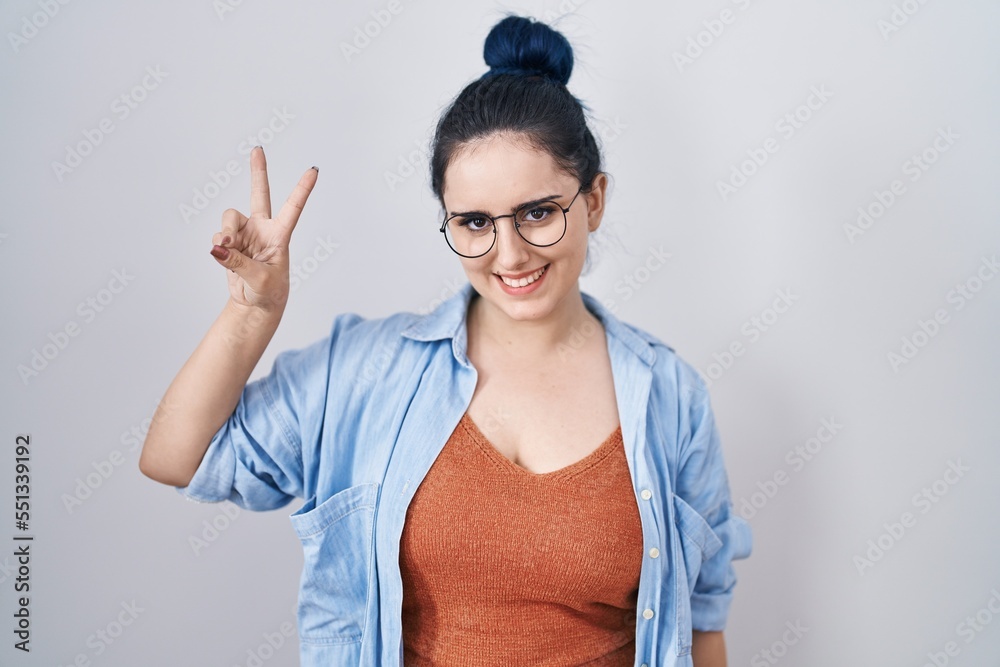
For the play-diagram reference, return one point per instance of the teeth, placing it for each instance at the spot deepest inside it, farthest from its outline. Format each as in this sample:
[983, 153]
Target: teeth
[524, 281]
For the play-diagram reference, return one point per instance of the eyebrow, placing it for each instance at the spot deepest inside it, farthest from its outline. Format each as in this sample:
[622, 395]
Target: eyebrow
[514, 209]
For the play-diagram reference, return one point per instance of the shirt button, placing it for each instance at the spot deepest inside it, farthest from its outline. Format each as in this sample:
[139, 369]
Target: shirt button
[647, 614]
[646, 494]
[654, 553]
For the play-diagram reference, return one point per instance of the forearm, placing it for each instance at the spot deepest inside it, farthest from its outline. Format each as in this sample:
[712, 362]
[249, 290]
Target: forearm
[205, 392]
[708, 649]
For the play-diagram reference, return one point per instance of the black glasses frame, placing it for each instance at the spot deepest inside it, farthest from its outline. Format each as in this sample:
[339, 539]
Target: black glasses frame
[517, 225]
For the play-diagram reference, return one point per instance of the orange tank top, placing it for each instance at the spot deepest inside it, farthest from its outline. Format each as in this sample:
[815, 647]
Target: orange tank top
[502, 566]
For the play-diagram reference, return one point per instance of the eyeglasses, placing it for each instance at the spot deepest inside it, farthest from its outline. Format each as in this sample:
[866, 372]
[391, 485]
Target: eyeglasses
[474, 234]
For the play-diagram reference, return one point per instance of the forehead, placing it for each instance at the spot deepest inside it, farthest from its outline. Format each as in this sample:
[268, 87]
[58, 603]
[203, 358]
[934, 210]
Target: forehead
[500, 172]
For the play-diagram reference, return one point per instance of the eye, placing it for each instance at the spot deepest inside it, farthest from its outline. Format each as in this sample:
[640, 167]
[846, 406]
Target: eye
[537, 213]
[474, 223]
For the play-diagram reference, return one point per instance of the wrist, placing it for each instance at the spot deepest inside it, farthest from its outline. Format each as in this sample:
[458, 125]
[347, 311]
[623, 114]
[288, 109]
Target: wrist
[250, 325]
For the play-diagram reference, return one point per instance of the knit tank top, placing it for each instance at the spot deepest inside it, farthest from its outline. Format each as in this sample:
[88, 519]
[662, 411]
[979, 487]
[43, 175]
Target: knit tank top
[502, 566]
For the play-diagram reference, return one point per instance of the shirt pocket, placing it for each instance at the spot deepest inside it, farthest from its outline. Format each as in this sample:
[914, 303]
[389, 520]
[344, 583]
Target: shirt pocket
[338, 546]
[698, 543]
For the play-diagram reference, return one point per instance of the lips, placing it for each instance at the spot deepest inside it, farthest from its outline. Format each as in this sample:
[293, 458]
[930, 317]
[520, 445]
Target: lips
[520, 278]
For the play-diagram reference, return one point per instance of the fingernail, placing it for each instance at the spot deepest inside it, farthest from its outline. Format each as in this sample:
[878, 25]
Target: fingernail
[219, 252]
[225, 240]
[316, 168]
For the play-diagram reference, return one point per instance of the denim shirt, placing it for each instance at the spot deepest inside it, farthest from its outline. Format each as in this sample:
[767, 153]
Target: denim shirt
[353, 422]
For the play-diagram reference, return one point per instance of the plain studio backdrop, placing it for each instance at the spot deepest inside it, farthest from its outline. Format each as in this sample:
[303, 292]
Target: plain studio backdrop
[804, 205]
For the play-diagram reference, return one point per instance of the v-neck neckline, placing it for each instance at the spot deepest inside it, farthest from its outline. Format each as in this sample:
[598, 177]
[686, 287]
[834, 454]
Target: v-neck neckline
[591, 459]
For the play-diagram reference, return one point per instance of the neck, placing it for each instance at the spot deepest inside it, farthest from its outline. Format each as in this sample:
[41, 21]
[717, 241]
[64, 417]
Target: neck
[538, 339]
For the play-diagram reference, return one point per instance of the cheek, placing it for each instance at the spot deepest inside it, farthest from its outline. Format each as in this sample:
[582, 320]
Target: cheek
[578, 244]
[475, 268]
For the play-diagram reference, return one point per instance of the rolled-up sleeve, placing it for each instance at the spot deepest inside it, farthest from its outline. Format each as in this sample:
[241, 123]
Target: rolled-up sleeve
[702, 482]
[255, 459]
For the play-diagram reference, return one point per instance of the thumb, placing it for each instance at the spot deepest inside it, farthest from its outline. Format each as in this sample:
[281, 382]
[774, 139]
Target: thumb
[231, 258]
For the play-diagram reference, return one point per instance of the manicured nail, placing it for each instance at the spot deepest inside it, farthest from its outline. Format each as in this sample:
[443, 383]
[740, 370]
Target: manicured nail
[225, 240]
[316, 168]
[219, 252]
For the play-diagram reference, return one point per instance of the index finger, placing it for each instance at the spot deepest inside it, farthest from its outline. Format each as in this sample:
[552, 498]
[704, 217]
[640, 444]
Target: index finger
[292, 208]
[260, 192]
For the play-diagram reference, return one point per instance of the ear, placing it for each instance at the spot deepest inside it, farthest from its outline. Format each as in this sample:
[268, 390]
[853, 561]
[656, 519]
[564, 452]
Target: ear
[595, 200]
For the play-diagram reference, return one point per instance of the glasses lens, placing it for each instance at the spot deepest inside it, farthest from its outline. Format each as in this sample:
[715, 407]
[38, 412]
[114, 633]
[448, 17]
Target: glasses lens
[469, 235]
[541, 224]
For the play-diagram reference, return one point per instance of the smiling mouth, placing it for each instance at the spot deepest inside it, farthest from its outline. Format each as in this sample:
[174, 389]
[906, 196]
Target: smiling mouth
[527, 280]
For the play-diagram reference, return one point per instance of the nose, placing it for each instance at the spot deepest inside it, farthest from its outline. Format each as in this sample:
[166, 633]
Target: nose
[512, 250]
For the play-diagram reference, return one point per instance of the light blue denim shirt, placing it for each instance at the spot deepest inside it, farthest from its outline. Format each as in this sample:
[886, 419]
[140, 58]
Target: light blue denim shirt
[353, 422]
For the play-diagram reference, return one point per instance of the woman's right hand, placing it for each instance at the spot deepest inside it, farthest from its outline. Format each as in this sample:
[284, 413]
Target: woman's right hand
[255, 249]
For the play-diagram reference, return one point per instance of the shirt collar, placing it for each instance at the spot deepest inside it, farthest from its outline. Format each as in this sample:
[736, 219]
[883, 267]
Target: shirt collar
[447, 320]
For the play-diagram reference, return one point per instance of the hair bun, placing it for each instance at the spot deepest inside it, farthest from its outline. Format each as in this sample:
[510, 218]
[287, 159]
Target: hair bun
[522, 45]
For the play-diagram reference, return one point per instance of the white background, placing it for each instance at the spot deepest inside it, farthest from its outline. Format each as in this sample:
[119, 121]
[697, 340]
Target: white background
[672, 130]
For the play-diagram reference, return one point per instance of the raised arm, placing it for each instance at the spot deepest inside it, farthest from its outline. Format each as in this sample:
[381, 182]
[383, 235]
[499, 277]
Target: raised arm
[206, 390]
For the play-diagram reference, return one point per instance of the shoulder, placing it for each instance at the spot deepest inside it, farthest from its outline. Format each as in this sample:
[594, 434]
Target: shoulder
[351, 337]
[352, 325]
[673, 376]
[357, 339]
[670, 368]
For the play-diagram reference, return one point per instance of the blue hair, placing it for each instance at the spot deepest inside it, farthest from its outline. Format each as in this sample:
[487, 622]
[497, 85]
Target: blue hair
[518, 45]
[524, 93]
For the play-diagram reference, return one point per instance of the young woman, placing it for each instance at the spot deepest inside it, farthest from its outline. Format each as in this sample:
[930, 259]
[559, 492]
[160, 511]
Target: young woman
[516, 478]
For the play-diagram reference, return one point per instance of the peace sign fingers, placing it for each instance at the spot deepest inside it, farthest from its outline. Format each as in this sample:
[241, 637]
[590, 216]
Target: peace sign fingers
[260, 191]
[256, 251]
[292, 208]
